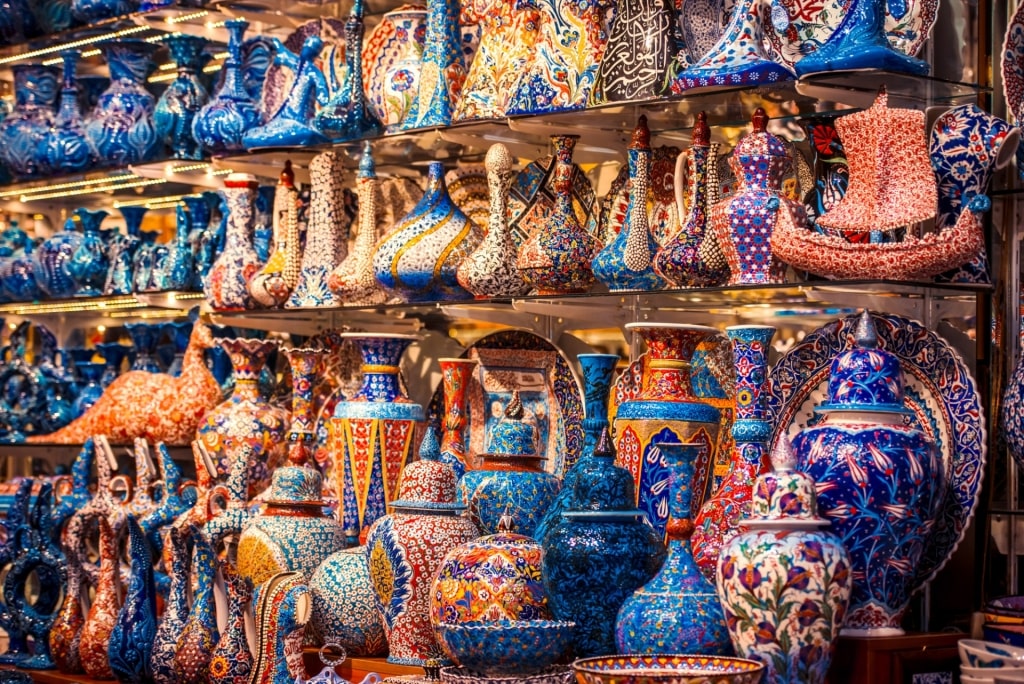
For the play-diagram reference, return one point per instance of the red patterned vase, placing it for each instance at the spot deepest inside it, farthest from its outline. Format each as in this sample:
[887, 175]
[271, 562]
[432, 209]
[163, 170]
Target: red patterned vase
[455, 377]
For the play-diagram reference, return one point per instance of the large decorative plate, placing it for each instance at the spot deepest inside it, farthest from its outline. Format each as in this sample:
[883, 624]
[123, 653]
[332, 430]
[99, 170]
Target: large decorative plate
[1013, 64]
[938, 388]
[548, 387]
[278, 79]
[811, 22]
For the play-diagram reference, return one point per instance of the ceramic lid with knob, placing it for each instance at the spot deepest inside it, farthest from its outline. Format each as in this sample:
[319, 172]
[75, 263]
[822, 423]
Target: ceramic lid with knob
[428, 484]
[513, 436]
[785, 496]
[760, 143]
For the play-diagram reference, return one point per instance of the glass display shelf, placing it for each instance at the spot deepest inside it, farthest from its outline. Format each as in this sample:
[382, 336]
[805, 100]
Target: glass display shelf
[138, 306]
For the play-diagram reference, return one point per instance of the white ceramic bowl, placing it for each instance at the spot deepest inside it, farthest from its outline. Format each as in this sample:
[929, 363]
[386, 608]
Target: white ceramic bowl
[976, 653]
[964, 679]
[989, 672]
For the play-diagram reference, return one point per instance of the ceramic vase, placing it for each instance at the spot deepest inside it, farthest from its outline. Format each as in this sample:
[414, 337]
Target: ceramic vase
[417, 260]
[51, 262]
[219, 126]
[641, 46]
[124, 247]
[131, 641]
[208, 235]
[66, 633]
[144, 340]
[719, 517]
[142, 264]
[456, 375]
[227, 286]
[785, 562]
[274, 282]
[682, 260]
[19, 280]
[175, 271]
[964, 169]
[67, 148]
[490, 270]
[231, 661]
[405, 549]
[599, 553]
[88, 11]
[113, 354]
[106, 604]
[442, 69]
[353, 281]
[194, 647]
[743, 224]
[282, 608]
[344, 607]
[326, 233]
[263, 232]
[292, 533]
[18, 649]
[246, 417]
[376, 427]
[92, 390]
[627, 262]
[678, 611]
[738, 58]
[121, 129]
[867, 461]
[345, 116]
[665, 410]
[392, 99]
[25, 130]
[1011, 412]
[556, 258]
[90, 262]
[184, 97]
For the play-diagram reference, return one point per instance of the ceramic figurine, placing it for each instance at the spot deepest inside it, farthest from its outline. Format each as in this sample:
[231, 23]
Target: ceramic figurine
[456, 375]
[219, 126]
[231, 661]
[102, 617]
[246, 417]
[490, 270]
[90, 263]
[510, 480]
[67, 148]
[951, 146]
[376, 425]
[678, 610]
[442, 69]
[738, 58]
[744, 223]
[561, 73]
[682, 260]
[392, 79]
[121, 129]
[418, 258]
[131, 640]
[196, 640]
[282, 607]
[227, 286]
[640, 49]
[785, 539]
[25, 129]
[292, 533]
[344, 607]
[326, 233]
[599, 554]
[51, 262]
[353, 281]
[719, 517]
[666, 410]
[867, 462]
[291, 125]
[405, 549]
[556, 257]
[274, 282]
[627, 262]
[184, 97]
[176, 608]
[345, 116]
[860, 42]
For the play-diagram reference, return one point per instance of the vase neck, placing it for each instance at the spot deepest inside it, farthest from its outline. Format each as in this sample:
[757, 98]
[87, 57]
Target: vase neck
[381, 356]
[69, 111]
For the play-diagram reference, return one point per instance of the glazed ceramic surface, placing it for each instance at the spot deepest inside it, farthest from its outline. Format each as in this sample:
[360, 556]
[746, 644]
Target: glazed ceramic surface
[667, 669]
[227, 284]
[131, 641]
[272, 285]
[344, 608]
[392, 58]
[641, 46]
[67, 148]
[506, 647]
[51, 262]
[25, 129]
[455, 379]
[442, 68]
[195, 642]
[218, 127]
[346, 116]
[178, 105]
[124, 246]
[121, 129]
[106, 604]
[232, 661]
[282, 609]
[90, 262]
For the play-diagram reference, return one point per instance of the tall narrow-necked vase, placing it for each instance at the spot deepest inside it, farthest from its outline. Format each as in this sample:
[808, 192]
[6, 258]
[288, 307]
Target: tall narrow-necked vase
[376, 425]
[231, 661]
[678, 611]
[24, 131]
[666, 410]
[67, 148]
[456, 375]
[227, 286]
[273, 284]
[90, 263]
[718, 519]
[176, 606]
[121, 128]
[353, 281]
[194, 647]
[51, 262]
[184, 97]
[346, 116]
[219, 126]
[131, 641]
[142, 264]
[443, 68]
[124, 246]
[418, 259]
[145, 337]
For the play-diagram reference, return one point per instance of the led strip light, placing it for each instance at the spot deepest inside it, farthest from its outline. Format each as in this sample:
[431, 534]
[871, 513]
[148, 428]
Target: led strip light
[67, 186]
[74, 44]
[139, 183]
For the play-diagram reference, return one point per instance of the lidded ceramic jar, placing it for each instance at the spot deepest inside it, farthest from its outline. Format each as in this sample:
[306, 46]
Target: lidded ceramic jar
[786, 562]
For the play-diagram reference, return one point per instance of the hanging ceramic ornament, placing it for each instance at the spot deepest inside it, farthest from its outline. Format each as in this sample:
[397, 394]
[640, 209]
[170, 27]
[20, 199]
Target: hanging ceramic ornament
[640, 49]
[442, 70]
[626, 263]
[273, 284]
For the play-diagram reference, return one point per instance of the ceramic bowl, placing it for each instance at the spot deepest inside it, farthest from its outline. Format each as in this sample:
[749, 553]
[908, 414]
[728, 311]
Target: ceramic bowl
[1000, 619]
[977, 653]
[556, 674]
[667, 669]
[1012, 635]
[987, 672]
[966, 679]
[506, 647]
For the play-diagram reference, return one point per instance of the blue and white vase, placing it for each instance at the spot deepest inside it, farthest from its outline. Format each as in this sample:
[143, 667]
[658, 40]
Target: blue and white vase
[121, 128]
[227, 285]
[131, 641]
[220, 125]
[345, 116]
[175, 270]
[52, 261]
[67, 148]
[179, 332]
[90, 263]
[145, 337]
[145, 258]
[114, 354]
[879, 481]
[442, 69]
[23, 132]
[184, 97]
[200, 235]
[19, 279]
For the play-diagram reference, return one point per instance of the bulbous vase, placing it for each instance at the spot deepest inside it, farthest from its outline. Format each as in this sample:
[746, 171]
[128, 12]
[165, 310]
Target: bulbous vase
[90, 263]
[184, 97]
[67, 147]
[219, 126]
[344, 607]
[121, 129]
[52, 262]
[23, 132]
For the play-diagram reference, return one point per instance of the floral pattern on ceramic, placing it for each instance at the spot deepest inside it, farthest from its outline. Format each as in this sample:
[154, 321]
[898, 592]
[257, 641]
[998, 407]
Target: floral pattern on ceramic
[641, 46]
[718, 519]
[17, 517]
[556, 258]
[392, 57]
[879, 481]
[376, 428]
[682, 668]
[218, 127]
[507, 647]
[442, 68]
[231, 661]
[456, 375]
[185, 96]
[326, 233]
[131, 640]
[199, 636]
[627, 262]
[176, 607]
[418, 258]
[282, 607]
[785, 560]
[561, 72]
[66, 633]
[344, 607]
[490, 270]
[666, 410]
[67, 148]
[121, 129]
[405, 550]
[25, 129]
[227, 286]
[106, 604]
